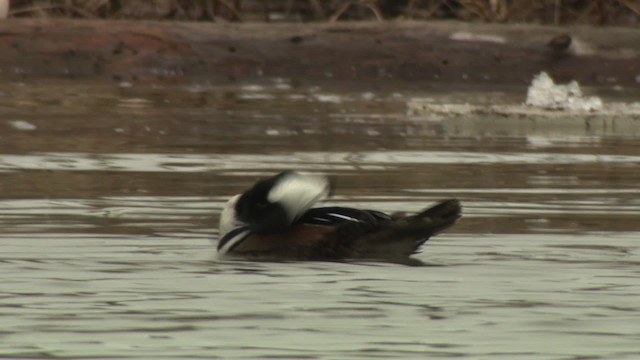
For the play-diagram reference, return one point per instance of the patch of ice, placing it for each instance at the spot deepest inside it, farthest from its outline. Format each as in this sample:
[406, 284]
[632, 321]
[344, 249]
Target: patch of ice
[22, 125]
[252, 88]
[581, 48]
[136, 103]
[467, 36]
[368, 96]
[283, 86]
[297, 97]
[256, 96]
[327, 98]
[544, 93]
[564, 140]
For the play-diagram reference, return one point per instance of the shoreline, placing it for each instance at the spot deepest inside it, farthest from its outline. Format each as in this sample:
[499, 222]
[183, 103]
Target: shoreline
[409, 52]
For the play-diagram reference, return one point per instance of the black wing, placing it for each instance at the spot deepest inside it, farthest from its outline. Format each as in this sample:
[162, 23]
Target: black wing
[336, 215]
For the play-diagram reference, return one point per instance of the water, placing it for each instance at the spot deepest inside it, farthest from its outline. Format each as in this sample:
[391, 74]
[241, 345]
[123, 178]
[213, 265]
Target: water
[110, 196]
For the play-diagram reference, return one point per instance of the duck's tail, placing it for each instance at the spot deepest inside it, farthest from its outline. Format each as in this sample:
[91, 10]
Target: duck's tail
[403, 235]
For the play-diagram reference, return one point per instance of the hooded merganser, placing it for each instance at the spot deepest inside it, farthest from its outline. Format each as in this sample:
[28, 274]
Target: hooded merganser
[275, 220]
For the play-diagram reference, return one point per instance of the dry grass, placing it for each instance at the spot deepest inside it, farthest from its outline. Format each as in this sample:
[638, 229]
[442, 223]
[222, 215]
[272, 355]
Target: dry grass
[597, 12]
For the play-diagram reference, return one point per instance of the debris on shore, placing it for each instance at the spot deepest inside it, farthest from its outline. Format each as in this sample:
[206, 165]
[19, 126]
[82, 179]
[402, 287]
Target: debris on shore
[545, 99]
[544, 93]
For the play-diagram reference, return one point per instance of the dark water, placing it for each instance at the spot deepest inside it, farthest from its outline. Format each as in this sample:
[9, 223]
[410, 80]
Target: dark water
[109, 201]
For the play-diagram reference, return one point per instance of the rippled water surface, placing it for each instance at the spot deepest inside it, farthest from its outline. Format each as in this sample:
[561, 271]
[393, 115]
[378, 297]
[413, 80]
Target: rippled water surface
[109, 201]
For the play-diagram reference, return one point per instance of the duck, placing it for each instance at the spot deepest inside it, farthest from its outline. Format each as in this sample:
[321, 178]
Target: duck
[277, 219]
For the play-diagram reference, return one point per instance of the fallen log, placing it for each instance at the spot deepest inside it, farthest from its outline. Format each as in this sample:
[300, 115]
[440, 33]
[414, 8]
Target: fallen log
[349, 52]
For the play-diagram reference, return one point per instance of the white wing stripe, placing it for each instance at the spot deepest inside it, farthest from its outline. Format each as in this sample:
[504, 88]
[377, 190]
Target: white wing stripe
[344, 217]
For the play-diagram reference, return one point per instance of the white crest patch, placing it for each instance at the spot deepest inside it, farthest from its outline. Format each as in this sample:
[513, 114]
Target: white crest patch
[298, 192]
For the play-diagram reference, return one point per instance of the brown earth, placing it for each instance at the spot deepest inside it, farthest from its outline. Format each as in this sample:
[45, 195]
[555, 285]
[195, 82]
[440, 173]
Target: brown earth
[223, 53]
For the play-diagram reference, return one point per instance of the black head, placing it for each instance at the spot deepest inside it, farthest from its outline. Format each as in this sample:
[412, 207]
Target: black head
[261, 215]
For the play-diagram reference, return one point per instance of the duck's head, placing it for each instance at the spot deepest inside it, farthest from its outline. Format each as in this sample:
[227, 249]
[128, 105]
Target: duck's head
[274, 204]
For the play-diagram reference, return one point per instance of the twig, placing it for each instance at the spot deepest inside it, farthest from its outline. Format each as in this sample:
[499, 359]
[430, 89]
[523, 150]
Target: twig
[4, 9]
[340, 11]
[366, 3]
[34, 8]
[635, 7]
[585, 13]
[435, 8]
[209, 10]
[408, 10]
[375, 10]
[317, 7]
[287, 8]
[476, 8]
[232, 9]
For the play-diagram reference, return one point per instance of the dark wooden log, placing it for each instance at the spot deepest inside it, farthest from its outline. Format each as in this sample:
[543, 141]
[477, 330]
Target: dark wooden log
[353, 52]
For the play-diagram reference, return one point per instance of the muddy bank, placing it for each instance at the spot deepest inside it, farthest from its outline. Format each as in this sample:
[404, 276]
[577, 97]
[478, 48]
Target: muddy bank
[219, 54]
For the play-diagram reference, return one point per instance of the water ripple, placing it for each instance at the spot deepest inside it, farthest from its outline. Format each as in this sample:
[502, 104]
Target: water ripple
[148, 162]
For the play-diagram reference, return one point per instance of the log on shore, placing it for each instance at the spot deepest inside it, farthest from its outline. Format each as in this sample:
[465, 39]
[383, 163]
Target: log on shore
[406, 51]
